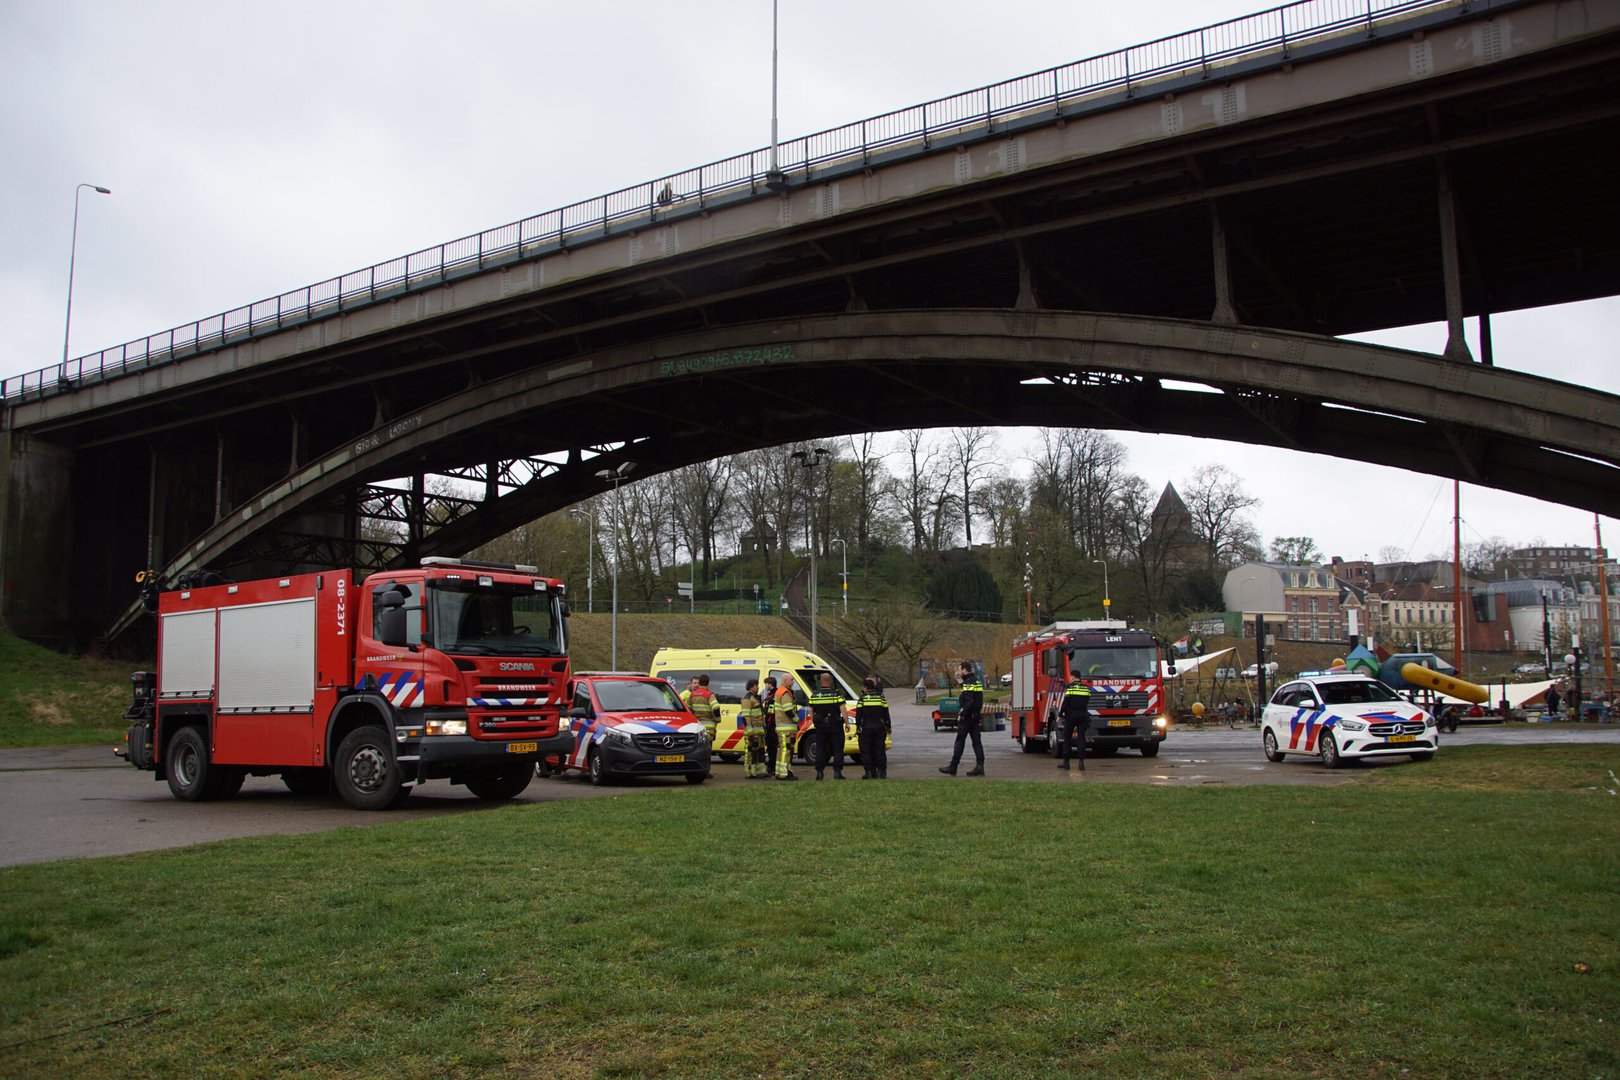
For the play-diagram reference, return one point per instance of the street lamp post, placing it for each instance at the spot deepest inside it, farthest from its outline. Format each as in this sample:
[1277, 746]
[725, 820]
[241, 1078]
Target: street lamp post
[844, 577]
[809, 459]
[616, 477]
[73, 251]
[1107, 603]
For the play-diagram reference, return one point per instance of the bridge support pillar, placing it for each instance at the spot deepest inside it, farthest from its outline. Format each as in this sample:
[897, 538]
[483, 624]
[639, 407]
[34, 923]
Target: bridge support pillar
[1451, 264]
[36, 528]
[1224, 311]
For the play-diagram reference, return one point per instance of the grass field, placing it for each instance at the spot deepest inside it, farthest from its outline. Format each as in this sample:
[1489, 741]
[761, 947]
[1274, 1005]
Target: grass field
[1432, 921]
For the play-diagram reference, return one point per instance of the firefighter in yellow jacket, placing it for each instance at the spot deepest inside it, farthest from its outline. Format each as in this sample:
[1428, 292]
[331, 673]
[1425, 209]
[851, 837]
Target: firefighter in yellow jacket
[751, 717]
[786, 711]
[703, 706]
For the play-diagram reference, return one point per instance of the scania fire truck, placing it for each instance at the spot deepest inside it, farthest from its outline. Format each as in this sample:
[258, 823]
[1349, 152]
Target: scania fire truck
[455, 670]
[1121, 665]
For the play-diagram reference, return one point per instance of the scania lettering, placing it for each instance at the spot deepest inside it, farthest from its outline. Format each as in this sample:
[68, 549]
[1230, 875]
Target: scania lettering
[1122, 666]
[263, 678]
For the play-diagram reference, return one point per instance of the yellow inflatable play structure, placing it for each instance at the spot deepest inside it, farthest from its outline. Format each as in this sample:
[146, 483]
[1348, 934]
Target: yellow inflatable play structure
[1418, 675]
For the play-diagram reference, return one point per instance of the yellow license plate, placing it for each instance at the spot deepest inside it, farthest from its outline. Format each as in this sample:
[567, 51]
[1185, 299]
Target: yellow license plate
[522, 747]
[671, 759]
[1119, 723]
[1402, 738]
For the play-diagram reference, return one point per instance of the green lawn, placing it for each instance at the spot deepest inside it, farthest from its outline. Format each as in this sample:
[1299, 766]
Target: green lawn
[1428, 922]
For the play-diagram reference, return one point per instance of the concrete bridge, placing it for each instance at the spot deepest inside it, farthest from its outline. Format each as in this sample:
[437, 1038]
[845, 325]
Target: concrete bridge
[1162, 239]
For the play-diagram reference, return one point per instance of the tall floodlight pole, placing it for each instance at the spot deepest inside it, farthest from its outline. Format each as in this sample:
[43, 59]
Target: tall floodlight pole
[844, 576]
[810, 459]
[616, 477]
[1107, 602]
[774, 167]
[73, 251]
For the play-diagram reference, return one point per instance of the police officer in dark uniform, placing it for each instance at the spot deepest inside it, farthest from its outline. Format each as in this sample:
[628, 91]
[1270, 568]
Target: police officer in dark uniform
[872, 719]
[970, 700]
[1075, 718]
[827, 713]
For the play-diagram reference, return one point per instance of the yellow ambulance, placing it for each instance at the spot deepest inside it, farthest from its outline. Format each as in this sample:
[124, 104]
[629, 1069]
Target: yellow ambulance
[729, 671]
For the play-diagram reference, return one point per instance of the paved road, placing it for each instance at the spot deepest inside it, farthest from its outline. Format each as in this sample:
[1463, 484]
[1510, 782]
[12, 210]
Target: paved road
[60, 804]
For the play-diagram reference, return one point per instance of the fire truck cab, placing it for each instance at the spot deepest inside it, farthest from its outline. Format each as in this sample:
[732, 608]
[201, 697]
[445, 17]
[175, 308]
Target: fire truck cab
[1122, 666]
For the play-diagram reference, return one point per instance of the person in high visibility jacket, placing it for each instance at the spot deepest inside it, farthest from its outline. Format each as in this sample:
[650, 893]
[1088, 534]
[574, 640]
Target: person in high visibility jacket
[827, 711]
[1075, 716]
[971, 703]
[703, 705]
[751, 717]
[786, 711]
[872, 717]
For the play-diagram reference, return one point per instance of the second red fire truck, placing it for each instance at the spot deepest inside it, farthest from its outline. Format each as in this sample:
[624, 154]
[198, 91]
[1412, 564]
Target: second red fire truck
[1122, 666]
[454, 670]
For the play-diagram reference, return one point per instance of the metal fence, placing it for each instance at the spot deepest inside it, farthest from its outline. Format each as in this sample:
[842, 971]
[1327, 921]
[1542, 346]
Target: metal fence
[1222, 49]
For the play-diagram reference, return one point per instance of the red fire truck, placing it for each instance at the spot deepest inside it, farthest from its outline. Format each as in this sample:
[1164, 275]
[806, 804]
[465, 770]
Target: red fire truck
[1121, 665]
[455, 670]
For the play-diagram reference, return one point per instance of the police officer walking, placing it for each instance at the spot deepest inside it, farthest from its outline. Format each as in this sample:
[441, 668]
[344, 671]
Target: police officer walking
[872, 719]
[751, 717]
[1075, 718]
[970, 700]
[827, 712]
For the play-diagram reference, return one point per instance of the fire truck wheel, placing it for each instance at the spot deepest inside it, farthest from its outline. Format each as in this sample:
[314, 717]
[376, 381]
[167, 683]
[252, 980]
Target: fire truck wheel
[593, 765]
[1268, 742]
[1150, 749]
[367, 776]
[1329, 747]
[224, 783]
[500, 786]
[187, 765]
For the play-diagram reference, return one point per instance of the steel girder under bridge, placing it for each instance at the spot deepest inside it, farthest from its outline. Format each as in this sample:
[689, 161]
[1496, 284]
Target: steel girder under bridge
[697, 396]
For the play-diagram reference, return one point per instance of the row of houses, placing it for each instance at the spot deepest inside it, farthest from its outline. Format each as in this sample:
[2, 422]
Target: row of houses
[1413, 604]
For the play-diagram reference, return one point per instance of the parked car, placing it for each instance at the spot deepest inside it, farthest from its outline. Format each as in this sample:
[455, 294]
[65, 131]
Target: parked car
[626, 725]
[1253, 670]
[1006, 678]
[1530, 669]
[1342, 717]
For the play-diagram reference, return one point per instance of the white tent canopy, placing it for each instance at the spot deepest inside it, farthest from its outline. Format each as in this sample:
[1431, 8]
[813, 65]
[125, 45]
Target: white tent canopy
[1175, 668]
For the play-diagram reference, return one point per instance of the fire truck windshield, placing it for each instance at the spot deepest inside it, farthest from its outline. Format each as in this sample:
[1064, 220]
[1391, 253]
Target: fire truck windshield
[496, 620]
[1118, 663]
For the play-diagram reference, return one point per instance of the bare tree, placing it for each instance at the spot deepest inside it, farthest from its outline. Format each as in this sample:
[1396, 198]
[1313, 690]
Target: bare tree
[971, 452]
[1078, 475]
[1217, 502]
[1295, 551]
[920, 486]
[698, 494]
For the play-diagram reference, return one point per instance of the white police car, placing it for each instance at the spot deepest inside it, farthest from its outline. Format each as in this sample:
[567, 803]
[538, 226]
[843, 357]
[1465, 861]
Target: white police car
[1345, 716]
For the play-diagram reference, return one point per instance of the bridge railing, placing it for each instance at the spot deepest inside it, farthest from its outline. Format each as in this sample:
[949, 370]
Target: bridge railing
[1273, 35]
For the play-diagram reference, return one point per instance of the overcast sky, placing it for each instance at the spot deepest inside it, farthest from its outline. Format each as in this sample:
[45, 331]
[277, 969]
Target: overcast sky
[254, 149]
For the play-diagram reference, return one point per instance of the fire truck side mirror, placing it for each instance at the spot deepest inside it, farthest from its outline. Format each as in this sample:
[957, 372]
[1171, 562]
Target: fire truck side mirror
[391, 618]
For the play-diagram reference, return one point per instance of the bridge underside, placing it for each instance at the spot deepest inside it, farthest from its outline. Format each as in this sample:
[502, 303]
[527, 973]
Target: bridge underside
[1419, 200]
[695, 397]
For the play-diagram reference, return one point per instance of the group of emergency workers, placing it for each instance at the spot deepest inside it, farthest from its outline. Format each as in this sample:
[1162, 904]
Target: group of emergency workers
[769, 718]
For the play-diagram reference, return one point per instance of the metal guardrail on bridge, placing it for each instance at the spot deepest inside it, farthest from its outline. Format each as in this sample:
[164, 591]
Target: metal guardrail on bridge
[1277, 34]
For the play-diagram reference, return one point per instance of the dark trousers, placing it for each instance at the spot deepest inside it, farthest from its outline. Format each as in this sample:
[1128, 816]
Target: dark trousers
[830, 747]
[874, 758]
[968, 729]
[1074, 737]
[770, 746]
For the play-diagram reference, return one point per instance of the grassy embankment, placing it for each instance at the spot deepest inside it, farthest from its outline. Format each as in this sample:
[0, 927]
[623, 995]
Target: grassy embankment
[1448, 919]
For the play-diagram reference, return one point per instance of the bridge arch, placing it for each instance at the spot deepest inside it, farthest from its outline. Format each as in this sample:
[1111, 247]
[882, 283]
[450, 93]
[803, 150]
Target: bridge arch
[696, 396]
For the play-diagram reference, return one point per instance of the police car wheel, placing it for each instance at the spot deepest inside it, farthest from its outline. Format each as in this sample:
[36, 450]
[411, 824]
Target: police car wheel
[1268, 743]
[1329, 747]
[696, 778]
[1427, 755]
